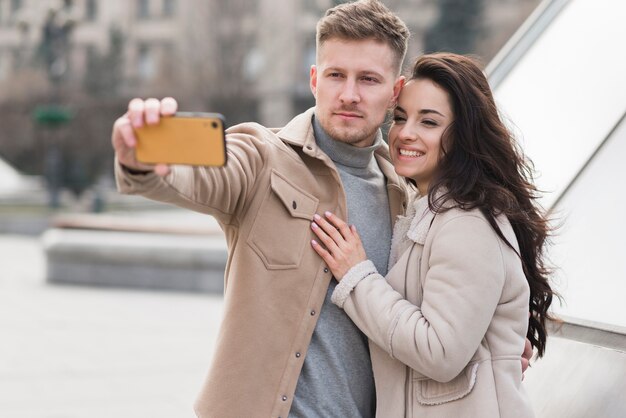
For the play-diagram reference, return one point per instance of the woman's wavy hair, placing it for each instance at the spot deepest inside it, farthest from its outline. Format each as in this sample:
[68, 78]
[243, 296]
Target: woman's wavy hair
[482, 167]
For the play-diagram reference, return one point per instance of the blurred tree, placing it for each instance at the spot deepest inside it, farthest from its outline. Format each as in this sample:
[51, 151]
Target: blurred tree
[103, 77]
[54, 49]
[458, 27]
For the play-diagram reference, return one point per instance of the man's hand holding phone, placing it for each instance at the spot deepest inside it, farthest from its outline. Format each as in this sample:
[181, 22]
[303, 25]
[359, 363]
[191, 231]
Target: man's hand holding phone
[140, 113]
[153, 135]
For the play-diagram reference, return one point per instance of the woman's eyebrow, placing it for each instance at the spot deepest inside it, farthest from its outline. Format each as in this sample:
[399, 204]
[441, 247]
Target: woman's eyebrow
[427, 111]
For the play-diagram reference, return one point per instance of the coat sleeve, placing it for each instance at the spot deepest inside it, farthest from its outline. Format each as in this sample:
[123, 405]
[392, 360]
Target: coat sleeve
[218, 191]
[461, 291]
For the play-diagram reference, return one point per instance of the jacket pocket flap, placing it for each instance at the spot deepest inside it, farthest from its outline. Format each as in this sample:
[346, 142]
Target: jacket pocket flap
[299, 203]
[431, 392]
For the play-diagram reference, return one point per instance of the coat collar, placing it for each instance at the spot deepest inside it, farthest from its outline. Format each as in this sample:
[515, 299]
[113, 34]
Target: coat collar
[412, 228]
[299, 132]
[422, 219]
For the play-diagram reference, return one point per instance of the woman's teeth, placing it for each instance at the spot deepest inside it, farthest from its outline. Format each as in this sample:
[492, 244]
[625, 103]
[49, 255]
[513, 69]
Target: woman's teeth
[409, 153]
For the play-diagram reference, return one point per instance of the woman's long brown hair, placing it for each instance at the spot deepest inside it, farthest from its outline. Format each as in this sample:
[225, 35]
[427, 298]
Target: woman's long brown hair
[482, 167]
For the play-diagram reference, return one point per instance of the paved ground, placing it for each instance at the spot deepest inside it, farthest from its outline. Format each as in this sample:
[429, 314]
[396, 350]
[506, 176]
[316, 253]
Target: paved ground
[75, 352]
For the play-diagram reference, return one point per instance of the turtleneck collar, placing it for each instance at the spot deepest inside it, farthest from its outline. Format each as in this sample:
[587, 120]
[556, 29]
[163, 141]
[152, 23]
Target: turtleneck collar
[342, 153]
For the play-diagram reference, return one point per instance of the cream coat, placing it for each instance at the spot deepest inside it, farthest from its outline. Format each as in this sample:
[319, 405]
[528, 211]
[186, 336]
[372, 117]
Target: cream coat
[264, 199]
[447, 326]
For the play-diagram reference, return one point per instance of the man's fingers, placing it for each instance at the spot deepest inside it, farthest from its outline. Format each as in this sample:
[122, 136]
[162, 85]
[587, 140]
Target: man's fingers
[528, 350]
[169, 106]
[152, 111]
[161, 170]
[136, 109]
[122, 130]
[525, 365]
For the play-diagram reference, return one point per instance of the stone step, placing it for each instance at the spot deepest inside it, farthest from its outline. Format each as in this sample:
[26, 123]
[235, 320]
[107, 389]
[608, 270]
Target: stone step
[144, 260]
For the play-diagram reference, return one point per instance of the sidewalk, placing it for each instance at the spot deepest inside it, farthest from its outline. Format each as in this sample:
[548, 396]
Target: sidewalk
[76, 352]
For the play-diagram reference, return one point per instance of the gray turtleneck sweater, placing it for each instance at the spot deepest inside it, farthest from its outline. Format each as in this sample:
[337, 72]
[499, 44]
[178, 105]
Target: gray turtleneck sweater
[337, 378]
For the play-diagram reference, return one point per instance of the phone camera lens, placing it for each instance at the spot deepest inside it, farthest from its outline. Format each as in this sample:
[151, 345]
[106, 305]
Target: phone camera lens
[214, 125]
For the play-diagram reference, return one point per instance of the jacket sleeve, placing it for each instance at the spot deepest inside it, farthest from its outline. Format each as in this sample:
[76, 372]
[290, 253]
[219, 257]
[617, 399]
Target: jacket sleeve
[462, 288]
[218, 191]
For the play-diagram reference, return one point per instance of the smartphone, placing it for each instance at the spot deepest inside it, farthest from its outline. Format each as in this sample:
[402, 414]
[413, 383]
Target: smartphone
[185, 138]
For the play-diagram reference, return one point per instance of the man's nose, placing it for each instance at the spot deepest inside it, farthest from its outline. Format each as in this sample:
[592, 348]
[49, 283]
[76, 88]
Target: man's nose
[350, 92]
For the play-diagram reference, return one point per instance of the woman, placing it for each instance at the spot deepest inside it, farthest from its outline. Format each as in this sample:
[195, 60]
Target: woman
[449, 321]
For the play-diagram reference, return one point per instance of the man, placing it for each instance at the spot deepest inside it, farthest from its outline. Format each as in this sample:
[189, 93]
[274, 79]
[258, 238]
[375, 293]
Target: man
[284, 349]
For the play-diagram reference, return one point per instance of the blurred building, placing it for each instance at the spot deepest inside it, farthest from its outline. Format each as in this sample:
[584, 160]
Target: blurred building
[247, 59]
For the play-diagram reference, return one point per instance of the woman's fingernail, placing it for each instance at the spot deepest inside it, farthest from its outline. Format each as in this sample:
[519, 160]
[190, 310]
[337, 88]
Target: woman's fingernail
[317, 217]
[328, 214]
[313, 225]
[313, 242]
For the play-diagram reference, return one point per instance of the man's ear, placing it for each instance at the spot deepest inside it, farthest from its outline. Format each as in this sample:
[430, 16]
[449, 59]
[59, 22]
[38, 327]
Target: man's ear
[397, 87]
[313, 80]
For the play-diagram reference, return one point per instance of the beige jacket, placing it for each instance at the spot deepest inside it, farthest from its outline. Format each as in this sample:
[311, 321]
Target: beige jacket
[447, 326]
[275, 283]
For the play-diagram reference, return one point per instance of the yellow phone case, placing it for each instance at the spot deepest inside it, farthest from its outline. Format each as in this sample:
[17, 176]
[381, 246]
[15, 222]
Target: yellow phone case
[186, 138]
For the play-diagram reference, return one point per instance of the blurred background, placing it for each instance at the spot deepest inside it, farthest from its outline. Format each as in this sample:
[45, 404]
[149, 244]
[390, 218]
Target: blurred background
[110, 304]
[69, 67]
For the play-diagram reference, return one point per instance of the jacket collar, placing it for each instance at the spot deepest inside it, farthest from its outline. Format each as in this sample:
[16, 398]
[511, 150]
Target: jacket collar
[422, 219]
[299, 132]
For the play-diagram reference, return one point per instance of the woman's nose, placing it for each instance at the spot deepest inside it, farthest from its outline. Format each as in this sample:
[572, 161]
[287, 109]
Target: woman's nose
[408, 132]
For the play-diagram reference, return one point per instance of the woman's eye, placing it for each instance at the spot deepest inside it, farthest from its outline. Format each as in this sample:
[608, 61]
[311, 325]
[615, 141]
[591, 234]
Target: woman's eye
[398, 118]
[429, 122]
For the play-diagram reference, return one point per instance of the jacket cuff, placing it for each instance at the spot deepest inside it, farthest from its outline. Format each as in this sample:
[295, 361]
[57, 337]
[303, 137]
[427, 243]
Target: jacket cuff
[350, 280]
[129, 183]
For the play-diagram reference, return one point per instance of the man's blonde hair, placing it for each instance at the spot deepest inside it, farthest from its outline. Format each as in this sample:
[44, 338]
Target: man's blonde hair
[365, 19]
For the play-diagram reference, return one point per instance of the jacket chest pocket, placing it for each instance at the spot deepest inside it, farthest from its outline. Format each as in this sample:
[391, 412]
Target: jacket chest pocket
[281, 229]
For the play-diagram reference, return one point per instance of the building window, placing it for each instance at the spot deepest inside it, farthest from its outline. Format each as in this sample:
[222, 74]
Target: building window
[143, 9]
[91, 10]
[4, 70]
[15, 6]
[169, 8]
[67, 5]
[146, 65]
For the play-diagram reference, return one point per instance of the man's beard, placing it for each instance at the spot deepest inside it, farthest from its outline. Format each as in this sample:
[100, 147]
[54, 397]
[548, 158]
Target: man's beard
[347, 134]
[350, 136]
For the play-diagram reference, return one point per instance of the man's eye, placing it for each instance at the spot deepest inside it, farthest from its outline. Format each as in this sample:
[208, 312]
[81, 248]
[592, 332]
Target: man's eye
[370, 79]
[334, 75]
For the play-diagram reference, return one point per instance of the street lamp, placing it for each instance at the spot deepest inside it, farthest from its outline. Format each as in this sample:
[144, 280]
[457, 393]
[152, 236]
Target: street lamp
[57, 29]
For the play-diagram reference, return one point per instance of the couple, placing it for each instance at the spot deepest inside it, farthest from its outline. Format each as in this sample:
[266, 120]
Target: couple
[311, 327]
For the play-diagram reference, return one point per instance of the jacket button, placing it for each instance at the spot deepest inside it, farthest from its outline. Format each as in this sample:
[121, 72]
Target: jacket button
[284, 398]
[325, 269]
[298, 355]
[294, 205]
[312, 313]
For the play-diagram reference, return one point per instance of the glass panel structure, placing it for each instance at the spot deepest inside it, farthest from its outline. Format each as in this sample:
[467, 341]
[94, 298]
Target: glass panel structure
[561, 83]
